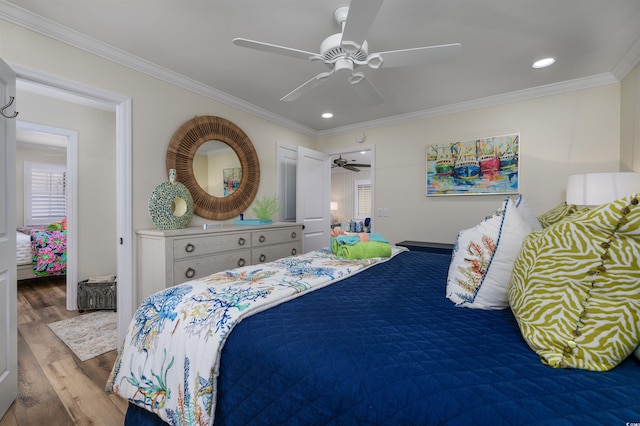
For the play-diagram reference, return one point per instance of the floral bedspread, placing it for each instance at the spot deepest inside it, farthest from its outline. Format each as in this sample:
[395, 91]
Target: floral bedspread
[170, 358]
[49, 251]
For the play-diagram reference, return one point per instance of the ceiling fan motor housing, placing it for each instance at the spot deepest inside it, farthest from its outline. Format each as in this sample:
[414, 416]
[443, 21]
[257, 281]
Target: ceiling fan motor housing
[332, 51]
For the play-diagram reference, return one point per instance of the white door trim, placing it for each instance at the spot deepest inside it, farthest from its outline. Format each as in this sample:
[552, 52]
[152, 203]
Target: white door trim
[8, 287]
[124, 204]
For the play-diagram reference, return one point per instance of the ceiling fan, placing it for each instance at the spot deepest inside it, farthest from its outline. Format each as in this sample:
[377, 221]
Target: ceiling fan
[341, 162]
[345, 51]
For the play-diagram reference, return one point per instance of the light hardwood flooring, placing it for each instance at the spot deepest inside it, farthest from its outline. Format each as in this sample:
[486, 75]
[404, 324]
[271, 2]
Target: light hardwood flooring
[54, 386]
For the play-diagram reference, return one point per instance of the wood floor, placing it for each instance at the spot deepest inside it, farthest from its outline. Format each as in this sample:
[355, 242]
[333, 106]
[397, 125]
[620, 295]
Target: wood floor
[54, 386]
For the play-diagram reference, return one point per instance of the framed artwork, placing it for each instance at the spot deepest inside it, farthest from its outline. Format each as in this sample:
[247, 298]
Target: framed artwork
[231, 179]
[474, 167]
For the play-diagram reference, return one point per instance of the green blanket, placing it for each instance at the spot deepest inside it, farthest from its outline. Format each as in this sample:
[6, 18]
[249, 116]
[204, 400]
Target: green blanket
[364, 250]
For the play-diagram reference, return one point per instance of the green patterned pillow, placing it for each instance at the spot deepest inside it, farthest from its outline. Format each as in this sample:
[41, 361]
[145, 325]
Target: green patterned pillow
[575, 288]
[556, 214]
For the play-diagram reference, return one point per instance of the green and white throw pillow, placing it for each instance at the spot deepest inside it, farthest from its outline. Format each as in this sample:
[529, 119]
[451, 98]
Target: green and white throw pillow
[556, 214]
[483, 258]
[575, 289]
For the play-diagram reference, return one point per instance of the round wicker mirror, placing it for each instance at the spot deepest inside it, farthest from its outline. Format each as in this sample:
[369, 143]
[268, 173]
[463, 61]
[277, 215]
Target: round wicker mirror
[180, 155]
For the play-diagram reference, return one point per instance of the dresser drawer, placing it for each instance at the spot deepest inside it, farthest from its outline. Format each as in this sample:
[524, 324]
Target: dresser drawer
[270, 253]
[184, 248]
[274, 236]
[191, 269]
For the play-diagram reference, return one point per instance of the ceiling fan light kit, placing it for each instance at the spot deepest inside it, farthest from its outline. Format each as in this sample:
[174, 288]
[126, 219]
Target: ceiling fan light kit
[344, 52]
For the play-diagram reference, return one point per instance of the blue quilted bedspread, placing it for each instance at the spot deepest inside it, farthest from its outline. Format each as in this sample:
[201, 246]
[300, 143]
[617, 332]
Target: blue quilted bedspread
[387, 348]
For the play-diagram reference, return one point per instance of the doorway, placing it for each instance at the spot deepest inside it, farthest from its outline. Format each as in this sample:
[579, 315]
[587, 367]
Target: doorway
[352, 187]
[124, 228]
[56, 143]
[286, 180]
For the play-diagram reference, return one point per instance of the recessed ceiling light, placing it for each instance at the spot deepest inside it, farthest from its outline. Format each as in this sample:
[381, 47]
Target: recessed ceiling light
[327, 115]
[542, 63]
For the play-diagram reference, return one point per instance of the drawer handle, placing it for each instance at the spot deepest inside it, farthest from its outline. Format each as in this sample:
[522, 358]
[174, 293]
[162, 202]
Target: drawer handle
[190, 273]
[263, 258]
[189, 248]
[241, 241]
[293, 235]
[262, 238]
[294, 252]
[241, 262]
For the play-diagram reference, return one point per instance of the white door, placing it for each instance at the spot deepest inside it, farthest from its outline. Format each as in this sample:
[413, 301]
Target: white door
[313, 193]
[8, 289]
[286, 182]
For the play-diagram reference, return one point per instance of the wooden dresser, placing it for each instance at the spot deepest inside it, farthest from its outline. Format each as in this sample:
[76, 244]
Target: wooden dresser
[167, 258]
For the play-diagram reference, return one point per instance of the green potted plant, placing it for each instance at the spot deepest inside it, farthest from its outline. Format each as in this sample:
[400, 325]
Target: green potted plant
[266, 208]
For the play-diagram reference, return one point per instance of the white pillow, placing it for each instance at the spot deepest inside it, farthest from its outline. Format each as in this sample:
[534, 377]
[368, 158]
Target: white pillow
[527, 213]
[483, 257]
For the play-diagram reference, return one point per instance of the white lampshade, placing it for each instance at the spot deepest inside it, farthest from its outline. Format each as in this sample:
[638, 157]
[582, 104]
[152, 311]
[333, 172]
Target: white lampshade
[334, 206]
[593, 189]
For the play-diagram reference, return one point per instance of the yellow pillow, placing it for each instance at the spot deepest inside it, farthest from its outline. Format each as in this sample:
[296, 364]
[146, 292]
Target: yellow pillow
[575, 288]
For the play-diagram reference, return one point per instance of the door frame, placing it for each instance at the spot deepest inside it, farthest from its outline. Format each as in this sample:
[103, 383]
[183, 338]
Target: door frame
[124, 198]
[8, 275]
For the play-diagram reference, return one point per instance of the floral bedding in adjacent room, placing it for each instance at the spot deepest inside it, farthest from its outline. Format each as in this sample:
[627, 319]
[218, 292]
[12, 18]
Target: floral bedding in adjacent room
[49, 251]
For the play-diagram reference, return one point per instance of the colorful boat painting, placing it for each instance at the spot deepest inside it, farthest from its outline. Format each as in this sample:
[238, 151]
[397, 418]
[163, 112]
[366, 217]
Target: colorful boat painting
[466, 167]
[444, 161]
[508, 158]
[489, 161]
[474, 167]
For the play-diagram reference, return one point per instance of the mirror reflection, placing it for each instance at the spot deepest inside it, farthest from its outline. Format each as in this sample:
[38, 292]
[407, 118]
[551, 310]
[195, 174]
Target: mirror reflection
[217, 169]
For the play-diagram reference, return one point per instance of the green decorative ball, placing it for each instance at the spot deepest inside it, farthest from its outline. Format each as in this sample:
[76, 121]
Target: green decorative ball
[171, 205]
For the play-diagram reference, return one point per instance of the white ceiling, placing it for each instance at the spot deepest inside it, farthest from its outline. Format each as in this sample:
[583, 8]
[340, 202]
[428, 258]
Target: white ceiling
[190, 42]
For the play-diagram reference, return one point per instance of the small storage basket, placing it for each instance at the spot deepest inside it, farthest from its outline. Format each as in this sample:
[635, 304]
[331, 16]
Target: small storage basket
[100, 295]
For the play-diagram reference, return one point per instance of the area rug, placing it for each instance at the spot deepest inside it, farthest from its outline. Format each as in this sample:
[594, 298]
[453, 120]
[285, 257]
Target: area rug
[88, 335]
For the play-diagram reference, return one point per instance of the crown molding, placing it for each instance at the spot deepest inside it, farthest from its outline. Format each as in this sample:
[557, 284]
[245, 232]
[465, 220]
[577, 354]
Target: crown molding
[24, 18]
[630, 60]
[519, 95]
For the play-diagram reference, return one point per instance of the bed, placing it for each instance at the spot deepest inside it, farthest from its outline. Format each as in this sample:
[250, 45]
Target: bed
[40, 252]
[379, 346]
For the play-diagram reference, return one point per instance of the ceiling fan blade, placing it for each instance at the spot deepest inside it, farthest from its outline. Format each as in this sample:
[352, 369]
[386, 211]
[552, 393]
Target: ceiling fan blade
[307, 86]
[361, 15]
[365, 89]
[359, 165]
[415, 56]
[274, 48]
[351, 167]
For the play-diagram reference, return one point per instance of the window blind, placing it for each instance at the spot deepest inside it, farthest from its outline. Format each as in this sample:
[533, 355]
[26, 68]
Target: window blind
[362, 199]
[45, 193]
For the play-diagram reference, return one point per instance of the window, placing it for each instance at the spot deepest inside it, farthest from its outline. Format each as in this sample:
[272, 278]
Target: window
[362, 199]
[45, 193]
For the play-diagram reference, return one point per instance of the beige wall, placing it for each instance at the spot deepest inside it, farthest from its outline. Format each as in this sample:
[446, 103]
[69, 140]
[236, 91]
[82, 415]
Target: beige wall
[96, 175]
[630, 122]
[559, 135]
